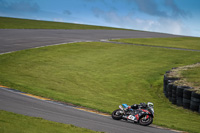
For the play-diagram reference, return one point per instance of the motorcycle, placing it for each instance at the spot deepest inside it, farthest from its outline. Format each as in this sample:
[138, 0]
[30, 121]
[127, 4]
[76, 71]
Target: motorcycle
[143, 114]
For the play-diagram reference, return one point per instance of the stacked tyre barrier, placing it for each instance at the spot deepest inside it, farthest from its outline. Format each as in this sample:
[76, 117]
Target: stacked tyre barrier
[184, 96]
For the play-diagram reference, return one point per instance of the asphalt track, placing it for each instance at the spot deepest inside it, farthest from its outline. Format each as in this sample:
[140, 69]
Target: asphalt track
[16, 102]
[13, 101]
[19, 39]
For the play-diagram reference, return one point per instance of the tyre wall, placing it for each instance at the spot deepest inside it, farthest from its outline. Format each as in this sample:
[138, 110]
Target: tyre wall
[184, 96]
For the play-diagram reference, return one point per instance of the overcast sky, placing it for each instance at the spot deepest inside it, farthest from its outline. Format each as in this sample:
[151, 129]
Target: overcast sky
[168, 16]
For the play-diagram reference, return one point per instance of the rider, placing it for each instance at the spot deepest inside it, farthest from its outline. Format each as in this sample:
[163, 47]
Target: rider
[132, 110]
[138, 106]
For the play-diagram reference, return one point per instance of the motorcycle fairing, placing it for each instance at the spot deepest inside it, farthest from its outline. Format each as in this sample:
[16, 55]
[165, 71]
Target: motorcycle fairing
[125, 105]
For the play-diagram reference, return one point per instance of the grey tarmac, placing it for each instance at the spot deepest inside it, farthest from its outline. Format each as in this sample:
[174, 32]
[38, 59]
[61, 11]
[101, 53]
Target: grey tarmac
[19, 39]
[14, 101]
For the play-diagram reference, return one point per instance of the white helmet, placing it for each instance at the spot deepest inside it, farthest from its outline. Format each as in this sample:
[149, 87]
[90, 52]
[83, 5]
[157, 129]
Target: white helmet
[150, 104]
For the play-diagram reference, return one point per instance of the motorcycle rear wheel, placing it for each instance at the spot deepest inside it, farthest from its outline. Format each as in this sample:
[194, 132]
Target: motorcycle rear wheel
[145, 122]
[116, 115]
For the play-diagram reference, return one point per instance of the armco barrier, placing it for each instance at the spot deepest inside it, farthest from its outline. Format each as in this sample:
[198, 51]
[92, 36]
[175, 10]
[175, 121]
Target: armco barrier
[181, 95]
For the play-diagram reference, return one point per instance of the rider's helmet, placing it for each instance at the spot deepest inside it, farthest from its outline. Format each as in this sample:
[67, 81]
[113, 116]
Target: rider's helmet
[150, 104]
[134, 106]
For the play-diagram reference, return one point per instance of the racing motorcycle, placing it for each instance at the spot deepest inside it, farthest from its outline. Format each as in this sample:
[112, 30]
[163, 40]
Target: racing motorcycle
[142, 113]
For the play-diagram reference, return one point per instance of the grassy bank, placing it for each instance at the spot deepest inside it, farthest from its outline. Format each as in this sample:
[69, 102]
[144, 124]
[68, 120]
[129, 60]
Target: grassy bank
[188, 76]
[101, 76]
[15, 123]
[16, 23]
[180, 42]
[192, 76]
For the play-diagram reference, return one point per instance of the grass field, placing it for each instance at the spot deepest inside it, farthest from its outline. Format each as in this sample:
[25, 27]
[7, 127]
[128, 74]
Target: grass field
[192, 76]
[188, 76]
[179, 42]
[15, 123]
[15, 23]
[101, 76]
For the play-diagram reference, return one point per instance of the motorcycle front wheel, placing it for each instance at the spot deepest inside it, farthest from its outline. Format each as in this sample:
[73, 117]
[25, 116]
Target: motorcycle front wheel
[144, 121]
[116, 115]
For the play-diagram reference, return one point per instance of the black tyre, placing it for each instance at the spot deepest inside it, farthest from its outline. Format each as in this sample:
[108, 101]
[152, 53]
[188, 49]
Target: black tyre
[168, 80]
[170, 91]
[173, 100]
[170, 87]
[174, 91]
[179, 90]
[187, 93]
[167, 71]
[186, 103]
[195, 95]
[195, 101]
[170, 99]
[144, 121]
[166, 93]
[164, 84]
[116, 115]
[179, 101]
[194, 106]
[199, 108]
[173, 95]
[172, 79]
[174, 88]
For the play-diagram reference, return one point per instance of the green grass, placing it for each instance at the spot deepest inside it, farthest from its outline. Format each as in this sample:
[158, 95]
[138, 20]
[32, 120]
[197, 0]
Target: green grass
[16, 23]
[192, 76]
[15, 123]
[101, 76]
[188, 75]
[179, 42]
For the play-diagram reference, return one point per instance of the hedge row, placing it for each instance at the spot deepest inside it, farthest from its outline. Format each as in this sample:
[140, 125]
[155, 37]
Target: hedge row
[181, 95]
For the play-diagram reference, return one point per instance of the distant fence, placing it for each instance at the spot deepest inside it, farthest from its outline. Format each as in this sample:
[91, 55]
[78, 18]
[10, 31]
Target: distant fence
[181, 95]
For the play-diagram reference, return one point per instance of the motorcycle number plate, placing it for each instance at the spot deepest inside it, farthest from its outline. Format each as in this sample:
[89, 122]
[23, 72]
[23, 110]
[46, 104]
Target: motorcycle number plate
[131, 117]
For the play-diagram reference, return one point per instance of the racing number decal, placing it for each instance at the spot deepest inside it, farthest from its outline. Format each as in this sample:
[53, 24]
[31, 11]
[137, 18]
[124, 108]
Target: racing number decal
[131, 117]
